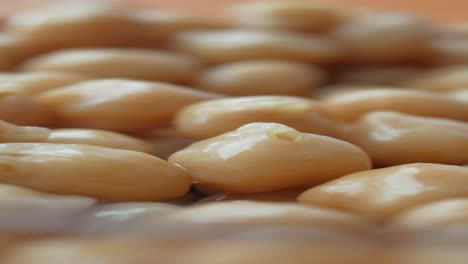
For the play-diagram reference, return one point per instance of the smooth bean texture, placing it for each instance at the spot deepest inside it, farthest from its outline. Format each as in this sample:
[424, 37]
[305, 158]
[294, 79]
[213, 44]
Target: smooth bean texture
[74, 25]
[263, 77]
[392, 138]
[263, 157]
[439, 214]
[444, 79]
[25, 210]
[160, 25]
[122, 217]
[138, 64]
[214, 117]
[221, 46]
[12, 133]
[350, 106]
[383, 37]
[301, 16]
[25, 110]
[99, 172]
[35, 83]
[121, 105]
[18, 198]
[251, 213]
[382, 193]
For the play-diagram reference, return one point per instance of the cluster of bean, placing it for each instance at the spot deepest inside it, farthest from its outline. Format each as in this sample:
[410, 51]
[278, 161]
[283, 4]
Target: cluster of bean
[293, 131]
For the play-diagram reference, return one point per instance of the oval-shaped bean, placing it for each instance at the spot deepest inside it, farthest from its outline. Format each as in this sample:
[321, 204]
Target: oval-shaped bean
[24, 210]
[99, 138]
[301, 16]
[350, 106]
[74, 24]
[376, 75]
[12, 133]
[220, 46]
[440, 79]
[286, 195]
[384, 37]
[123, 217]
[34, 83]
[99, 172]
[392, 138]
[24, 110]
[263, 157]
[243, 212]
[382, 193]
[163, 24]
[139, 64]
[122, 105]
[211, 118]
[166, 142]
[267, 77]
[439, 214]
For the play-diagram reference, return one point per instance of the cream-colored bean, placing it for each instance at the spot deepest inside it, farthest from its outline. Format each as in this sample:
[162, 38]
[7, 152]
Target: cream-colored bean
[375, 75]
[434, 215]
[12, 133]
[275, 249]
[123, 217]
[461, 95]
[350, 106]
[266, 77]
[220, 46]
[140, 64]
[99, 172]
[392, 138]
[74, 24]
[301, 16]
[286, 195]
[211, 118]
[103, 250]
[166, 142]
[24, 110]
[384, 37]
[163, 24]
[442, 79]
[26, 210]
[382, 193]
[251, 213]
[34, 83]
[122, 105]
[263, 157]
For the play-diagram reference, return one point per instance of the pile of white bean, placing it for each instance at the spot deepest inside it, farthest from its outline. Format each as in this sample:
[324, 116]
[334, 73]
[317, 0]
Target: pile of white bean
[287, 132]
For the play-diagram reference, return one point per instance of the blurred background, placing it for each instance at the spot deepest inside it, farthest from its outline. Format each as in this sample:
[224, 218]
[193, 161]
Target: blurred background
[437, 10]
